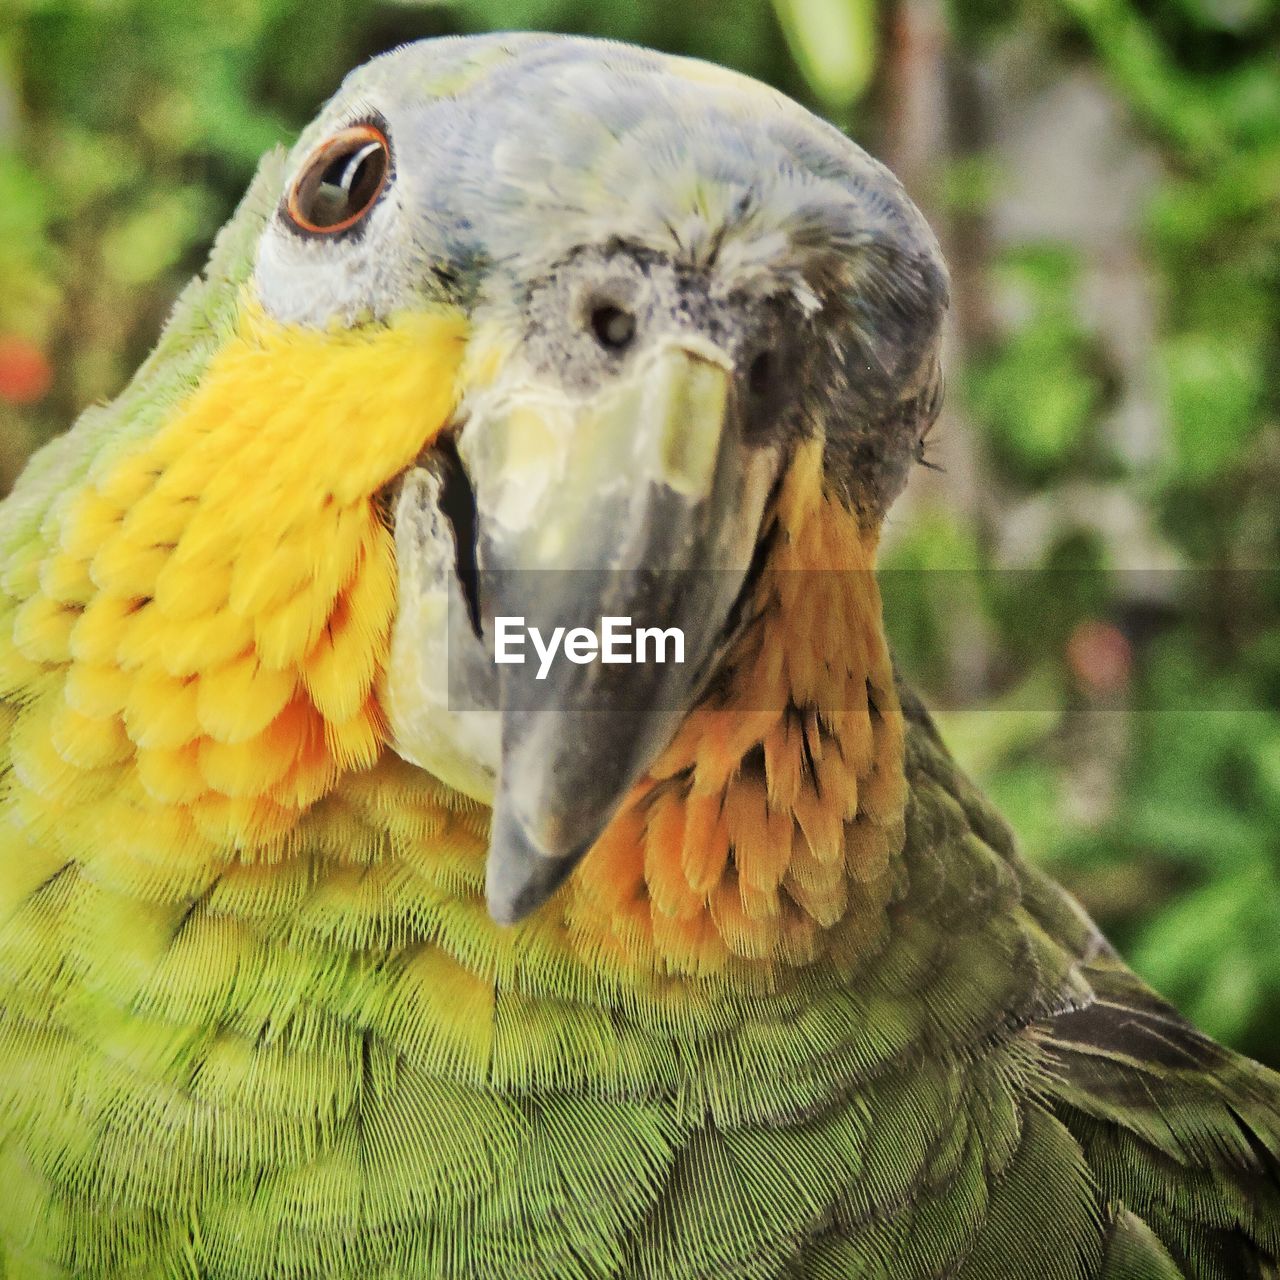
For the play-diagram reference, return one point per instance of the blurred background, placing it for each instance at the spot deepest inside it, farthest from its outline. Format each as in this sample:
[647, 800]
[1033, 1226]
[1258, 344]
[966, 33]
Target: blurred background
[1084, 580]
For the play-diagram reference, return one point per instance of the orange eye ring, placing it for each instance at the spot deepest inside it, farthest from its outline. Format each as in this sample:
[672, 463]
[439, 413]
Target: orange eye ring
[341, 181]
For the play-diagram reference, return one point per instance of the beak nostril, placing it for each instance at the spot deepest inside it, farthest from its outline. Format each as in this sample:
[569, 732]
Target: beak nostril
[613, 327]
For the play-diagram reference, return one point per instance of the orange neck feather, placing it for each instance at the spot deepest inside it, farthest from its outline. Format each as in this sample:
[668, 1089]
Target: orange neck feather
[764, 834]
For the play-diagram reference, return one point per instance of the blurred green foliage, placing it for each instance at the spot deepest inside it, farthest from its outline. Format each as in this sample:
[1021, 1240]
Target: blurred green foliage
[1181, 863]
[1132, 733]
[1036, 393]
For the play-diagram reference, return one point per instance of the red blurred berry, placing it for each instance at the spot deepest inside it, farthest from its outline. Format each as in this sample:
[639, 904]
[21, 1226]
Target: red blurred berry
[25, 371]
[1100, 656]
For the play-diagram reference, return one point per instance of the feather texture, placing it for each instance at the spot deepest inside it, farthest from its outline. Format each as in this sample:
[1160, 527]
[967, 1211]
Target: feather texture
[270, 1031]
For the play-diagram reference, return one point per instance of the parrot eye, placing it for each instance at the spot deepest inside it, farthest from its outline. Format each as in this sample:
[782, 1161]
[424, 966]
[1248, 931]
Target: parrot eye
[341, 181]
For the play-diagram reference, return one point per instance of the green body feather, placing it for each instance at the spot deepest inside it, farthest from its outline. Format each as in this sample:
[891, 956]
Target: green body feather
[341, 1074]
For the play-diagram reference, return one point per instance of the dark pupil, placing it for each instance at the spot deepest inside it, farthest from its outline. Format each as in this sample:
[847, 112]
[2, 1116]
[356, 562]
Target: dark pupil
[613, 327]
[347, 185]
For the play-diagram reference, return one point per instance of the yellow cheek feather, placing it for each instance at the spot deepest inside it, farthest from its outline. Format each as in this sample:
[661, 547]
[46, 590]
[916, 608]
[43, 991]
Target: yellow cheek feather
[198, 649]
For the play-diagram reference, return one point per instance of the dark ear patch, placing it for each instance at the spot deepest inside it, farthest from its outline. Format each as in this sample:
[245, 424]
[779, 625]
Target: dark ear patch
[884, 373]
[868, 460]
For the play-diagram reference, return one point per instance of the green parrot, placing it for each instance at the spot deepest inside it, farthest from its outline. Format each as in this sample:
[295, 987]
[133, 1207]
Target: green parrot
[459, 816]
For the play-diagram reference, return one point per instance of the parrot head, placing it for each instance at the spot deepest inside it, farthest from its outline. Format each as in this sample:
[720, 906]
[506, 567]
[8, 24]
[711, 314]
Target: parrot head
[538, 332]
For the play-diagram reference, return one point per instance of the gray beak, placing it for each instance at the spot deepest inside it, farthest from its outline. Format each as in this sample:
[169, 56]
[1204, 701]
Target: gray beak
[612, 536]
